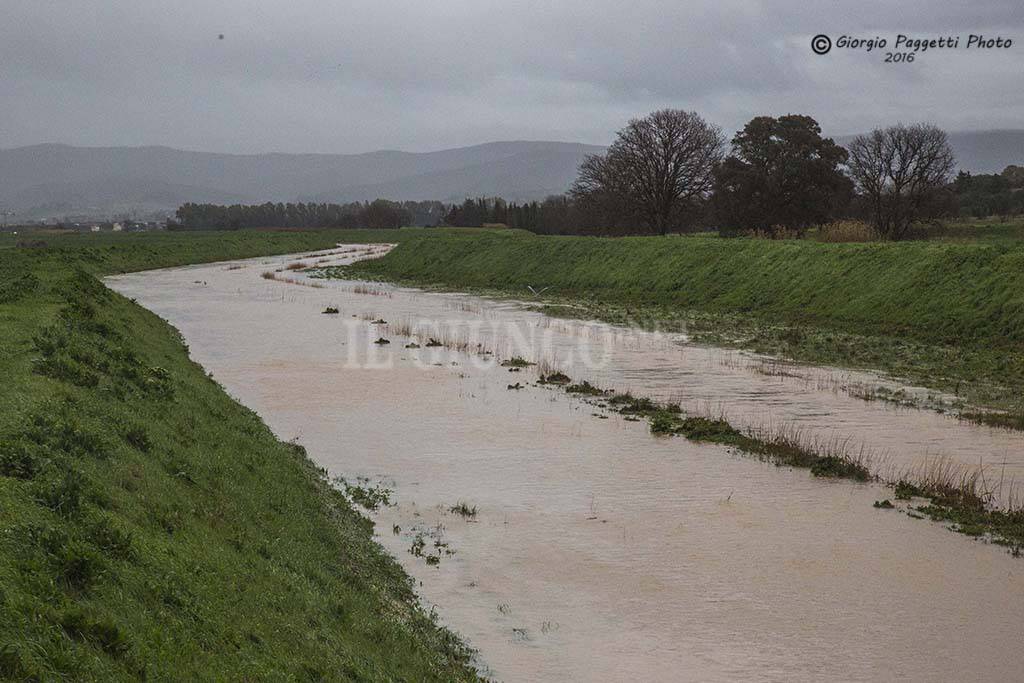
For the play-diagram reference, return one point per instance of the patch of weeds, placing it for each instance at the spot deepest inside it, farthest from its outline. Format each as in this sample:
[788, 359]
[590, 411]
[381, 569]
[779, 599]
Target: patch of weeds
[431, 343]
[362, 494]
[707, 429]
[382, 341]
[79, 566]
[13, 666]
[412, 345]
[14, 288]
[904, 490]
[60, 431]
[585, 388]
[101, 632]
[330, 310]
[884, 504]
[516, 362]
[841, 468]
[627, 404]
[463, 510]
[62, 492]
[19, 459]
[515, 386]
[66, 370]
[664, 422]
[111, 540]
[555, 378]
[1005, 420]
[137, 437]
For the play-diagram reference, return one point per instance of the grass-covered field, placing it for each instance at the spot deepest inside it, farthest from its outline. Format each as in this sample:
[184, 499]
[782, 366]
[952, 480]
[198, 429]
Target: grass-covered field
[152, 527]
[945, 314]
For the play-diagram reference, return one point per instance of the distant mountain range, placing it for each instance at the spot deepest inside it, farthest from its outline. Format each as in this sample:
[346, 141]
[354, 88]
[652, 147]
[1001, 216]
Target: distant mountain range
[58, 180]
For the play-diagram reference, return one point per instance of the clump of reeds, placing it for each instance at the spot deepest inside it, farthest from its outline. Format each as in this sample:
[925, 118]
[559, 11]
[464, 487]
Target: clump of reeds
[846, 231]
[371, 291]
[402, 328]
[463, 510]
[273, 275]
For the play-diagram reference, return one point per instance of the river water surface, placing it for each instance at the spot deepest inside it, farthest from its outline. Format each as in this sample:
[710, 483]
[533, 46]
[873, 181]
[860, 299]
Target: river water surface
[598, 551]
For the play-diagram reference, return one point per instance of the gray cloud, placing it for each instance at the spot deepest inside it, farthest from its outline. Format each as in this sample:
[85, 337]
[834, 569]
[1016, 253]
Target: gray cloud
[323, 75]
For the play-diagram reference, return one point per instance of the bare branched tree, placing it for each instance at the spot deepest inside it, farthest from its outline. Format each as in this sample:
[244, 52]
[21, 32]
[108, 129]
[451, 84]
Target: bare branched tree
[658, 171]
[901, 172]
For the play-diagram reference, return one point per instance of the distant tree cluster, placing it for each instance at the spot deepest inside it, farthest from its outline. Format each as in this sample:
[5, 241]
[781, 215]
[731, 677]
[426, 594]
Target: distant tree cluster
[379, 214]
[984, 195]
[554, 215]
[670, 172]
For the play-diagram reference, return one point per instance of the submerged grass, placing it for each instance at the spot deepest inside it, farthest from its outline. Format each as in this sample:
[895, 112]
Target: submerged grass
[155, 528]
[952, 493]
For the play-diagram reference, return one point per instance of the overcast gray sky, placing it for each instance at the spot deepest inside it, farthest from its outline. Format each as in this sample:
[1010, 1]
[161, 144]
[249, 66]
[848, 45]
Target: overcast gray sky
[336, 76]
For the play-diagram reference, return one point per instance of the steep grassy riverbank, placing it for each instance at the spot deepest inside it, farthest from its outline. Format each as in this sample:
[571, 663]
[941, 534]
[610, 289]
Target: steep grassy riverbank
[152, 526]
[946, 315]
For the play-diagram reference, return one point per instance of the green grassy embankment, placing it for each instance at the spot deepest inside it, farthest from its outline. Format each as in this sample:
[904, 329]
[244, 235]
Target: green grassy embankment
[150, 526]
[947, 315]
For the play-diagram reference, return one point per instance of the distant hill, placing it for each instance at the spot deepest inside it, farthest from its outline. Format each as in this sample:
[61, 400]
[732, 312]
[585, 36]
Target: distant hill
[983, 151]
[59, 179]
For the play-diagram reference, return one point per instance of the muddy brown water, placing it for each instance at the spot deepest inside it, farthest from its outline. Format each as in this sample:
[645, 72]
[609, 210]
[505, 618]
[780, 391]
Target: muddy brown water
[600, 552]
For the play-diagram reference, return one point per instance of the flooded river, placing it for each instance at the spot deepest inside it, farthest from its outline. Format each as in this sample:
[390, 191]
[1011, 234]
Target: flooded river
[599, 552]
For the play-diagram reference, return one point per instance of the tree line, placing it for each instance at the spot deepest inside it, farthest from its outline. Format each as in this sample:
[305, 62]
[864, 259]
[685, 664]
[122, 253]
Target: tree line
[378, 214]
[672, 171]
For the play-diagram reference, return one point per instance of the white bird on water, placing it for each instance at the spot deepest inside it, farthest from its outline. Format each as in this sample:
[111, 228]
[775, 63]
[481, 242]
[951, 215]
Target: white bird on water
[535, 292]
